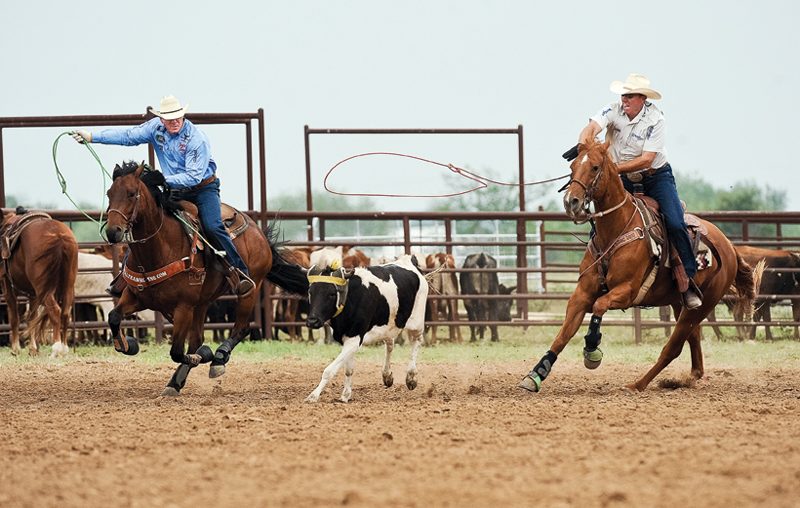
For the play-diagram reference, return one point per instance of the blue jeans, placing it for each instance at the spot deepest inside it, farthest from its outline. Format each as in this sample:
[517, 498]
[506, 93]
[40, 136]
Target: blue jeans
[661, 187]
[207, 200]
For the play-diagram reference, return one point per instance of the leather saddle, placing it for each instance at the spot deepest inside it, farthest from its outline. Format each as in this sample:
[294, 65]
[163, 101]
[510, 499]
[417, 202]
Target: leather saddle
[235, 221]
[654, 234]
[656, 237]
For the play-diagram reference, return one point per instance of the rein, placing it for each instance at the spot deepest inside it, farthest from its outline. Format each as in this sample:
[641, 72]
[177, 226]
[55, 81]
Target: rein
[613, 246]
[588, 194]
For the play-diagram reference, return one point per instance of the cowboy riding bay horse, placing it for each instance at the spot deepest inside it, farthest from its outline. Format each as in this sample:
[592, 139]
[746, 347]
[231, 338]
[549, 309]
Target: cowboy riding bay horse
[170, 271]
[620, 271]
[39, 261]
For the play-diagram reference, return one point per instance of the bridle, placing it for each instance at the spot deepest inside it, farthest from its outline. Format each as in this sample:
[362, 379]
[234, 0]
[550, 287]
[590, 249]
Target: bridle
[127, 234]
[588, 194]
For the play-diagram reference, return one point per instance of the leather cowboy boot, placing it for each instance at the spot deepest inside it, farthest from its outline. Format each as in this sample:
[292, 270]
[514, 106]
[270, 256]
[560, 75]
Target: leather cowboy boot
[245, 286]
[117, 286]
[692, 297]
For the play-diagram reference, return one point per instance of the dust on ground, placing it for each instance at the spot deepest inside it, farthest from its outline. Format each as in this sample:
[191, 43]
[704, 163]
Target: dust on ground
[98, 434]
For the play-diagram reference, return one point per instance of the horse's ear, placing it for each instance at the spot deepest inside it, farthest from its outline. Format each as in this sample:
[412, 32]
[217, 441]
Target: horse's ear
[139, 171]
[607, 144]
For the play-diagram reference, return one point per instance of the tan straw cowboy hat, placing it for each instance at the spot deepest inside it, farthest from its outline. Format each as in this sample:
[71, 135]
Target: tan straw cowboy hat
[636, 83]
[170, 108]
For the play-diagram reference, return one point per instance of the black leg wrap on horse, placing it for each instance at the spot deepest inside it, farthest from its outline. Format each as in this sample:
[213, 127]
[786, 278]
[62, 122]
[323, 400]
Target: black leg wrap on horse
[178, 380]
[593, 336]
[544, 366]
[223, 353]
[202, 355]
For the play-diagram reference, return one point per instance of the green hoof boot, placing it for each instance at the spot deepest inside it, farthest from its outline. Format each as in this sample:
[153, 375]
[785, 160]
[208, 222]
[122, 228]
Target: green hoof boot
[532, 384]
[592, 359]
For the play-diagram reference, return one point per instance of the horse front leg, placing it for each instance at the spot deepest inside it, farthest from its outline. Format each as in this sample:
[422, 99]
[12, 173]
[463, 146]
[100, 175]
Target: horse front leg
[242, 326]
[579, 304]
[128, 304]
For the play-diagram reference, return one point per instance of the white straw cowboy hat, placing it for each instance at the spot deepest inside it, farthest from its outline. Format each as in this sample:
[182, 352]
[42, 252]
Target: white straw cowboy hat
[636, 83]
[170, 108]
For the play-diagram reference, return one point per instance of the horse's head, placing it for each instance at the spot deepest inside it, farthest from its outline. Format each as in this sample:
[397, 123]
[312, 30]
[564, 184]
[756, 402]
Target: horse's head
[591, 171]
[137, 190]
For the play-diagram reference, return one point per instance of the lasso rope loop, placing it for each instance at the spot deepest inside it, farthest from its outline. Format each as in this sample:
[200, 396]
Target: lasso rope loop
[481, 181]
[63, 181]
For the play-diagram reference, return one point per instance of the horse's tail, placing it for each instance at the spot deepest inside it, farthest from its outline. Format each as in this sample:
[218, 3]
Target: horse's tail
[746, 284]
[57, 257]
[284, 273]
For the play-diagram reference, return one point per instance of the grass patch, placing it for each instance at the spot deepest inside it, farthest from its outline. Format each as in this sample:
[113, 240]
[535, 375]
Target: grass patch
[515, 344]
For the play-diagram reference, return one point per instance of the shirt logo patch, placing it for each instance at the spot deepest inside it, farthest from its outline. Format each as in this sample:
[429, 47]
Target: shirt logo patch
[159, 138]
[605, 112]
[183, 142]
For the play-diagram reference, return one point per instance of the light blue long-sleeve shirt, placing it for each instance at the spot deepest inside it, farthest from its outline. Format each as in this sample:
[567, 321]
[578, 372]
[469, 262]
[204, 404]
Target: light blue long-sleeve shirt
[185, 157]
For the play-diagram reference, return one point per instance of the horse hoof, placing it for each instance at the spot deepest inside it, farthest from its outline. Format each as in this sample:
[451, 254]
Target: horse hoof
[59, 349]
[388, 380]
[592, 359]
[532, 384]
[411, 380]
[170, 392]
[126, 345]
[216, 371]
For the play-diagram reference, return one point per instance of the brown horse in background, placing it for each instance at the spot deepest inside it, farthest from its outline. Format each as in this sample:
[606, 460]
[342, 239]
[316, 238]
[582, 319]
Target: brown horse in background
[179, 277]
[42, 266]
[595, 179]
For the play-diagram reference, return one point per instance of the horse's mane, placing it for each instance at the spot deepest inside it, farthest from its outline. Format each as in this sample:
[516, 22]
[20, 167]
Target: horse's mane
[600, 146]
[153, 180]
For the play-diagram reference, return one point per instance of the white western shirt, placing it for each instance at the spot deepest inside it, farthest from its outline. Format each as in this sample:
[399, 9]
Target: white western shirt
[647, 132]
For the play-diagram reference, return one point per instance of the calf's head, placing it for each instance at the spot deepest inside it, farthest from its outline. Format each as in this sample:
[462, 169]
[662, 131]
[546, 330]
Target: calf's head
[327, 292]
[504, 306]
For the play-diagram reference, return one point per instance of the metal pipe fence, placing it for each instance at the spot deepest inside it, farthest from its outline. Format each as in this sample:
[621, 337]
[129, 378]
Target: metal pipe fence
[555, 279]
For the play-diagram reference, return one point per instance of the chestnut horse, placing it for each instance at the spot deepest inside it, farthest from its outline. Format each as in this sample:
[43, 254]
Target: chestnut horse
[176, 277]
[595, 179]
[42, 266]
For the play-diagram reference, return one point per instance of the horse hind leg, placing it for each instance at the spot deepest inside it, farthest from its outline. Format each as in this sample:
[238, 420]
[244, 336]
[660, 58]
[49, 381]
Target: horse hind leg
[240, 329]
[178, 380]
[683, 331]
[186, 362]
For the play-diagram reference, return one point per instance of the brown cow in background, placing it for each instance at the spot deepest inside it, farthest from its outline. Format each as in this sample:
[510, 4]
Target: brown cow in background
[772, 283]
[443, 283]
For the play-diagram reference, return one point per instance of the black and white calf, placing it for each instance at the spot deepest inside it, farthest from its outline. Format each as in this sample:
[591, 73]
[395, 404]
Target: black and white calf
[366, 305]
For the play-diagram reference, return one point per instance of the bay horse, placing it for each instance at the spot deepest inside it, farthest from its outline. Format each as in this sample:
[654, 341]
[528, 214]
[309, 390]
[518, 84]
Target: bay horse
[169, 271]
[40, 262]
[621, 245]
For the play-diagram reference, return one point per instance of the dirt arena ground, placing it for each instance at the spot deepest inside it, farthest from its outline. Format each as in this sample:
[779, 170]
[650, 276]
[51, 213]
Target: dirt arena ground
[96, 434]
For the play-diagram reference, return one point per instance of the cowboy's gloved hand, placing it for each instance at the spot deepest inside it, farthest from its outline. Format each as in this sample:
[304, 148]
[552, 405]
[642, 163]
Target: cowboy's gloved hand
[175, 194]
[82, 136]
[571, 154]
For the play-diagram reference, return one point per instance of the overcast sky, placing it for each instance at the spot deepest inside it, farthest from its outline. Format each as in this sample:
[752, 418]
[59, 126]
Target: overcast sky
[728, 73]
